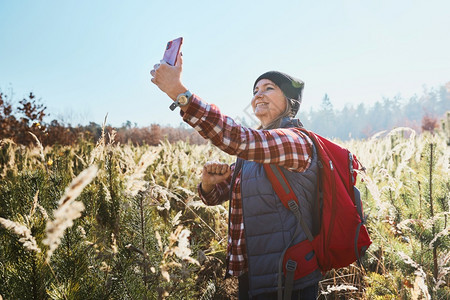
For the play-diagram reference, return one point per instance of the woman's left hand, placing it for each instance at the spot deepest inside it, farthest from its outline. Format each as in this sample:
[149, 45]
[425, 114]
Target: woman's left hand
[168, 78]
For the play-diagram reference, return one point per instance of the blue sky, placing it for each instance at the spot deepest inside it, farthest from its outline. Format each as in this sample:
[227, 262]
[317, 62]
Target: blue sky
[85, 59]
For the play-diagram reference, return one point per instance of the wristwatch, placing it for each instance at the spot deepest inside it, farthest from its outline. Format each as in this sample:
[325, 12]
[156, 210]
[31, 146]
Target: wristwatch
[182, 100]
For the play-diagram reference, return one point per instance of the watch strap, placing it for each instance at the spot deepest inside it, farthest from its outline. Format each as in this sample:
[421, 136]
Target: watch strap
[176, 103]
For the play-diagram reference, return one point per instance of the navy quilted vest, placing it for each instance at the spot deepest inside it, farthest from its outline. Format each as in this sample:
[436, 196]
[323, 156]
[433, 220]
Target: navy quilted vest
[269, 226]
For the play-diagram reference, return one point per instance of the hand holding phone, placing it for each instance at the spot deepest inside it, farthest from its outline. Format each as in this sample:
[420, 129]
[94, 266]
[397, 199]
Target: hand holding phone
[167, 74]
[172, 49]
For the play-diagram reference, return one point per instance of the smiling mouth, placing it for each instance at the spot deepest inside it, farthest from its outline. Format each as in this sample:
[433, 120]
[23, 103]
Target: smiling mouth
[261, 104]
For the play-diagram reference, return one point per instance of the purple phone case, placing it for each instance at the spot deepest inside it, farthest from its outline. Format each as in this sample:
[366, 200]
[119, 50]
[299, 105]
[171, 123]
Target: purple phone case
[172, 50]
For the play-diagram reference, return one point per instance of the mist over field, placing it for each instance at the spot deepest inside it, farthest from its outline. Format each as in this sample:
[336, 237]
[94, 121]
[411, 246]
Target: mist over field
[421, 112]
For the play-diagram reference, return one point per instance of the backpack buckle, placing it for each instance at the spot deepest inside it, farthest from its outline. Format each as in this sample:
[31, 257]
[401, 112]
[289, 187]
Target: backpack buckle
[293, 206]
[291, 265]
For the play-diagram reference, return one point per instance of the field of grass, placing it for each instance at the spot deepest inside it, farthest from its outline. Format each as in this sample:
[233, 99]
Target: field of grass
[110, 221]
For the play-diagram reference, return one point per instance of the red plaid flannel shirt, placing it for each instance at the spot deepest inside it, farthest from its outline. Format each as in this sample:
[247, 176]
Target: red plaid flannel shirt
[287, 147]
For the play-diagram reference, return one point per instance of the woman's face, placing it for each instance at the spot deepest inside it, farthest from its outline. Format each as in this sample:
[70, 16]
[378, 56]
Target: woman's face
[268, 101]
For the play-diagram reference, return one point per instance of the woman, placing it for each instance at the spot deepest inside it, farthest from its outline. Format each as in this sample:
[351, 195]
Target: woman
[260, 227]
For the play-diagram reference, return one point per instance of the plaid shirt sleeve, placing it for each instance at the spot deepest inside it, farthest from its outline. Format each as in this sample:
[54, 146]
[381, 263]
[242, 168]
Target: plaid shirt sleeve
[219, 194]
[287, 147]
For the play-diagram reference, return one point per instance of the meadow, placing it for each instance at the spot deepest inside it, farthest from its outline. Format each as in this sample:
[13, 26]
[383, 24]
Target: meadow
[112, 221]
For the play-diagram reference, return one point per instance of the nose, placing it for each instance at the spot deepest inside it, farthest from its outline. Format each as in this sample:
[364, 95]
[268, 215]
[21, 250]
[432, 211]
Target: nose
[258, 94]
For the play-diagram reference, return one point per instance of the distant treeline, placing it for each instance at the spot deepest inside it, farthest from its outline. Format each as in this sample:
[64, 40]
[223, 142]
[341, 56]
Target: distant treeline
[419, 112]
[16, 123]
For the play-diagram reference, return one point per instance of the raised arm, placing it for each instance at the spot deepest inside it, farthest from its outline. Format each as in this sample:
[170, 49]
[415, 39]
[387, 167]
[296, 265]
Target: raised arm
[287, 147]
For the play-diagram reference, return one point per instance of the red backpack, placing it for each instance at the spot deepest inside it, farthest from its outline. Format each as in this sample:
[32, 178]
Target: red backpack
[342, 237]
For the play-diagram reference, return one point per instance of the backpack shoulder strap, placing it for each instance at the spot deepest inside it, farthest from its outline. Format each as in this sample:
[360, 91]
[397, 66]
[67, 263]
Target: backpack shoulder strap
[287, 196]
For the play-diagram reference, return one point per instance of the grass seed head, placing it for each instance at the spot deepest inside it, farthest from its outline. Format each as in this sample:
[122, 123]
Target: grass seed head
[68, 210]
[23, 232]
[41, 148]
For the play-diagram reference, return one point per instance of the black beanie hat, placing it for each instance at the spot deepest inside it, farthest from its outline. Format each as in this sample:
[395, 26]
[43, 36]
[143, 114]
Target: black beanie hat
[291, 87]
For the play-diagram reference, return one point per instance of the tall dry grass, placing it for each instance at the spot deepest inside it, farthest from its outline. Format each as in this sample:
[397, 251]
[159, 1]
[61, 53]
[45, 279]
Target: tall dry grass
[134, 227]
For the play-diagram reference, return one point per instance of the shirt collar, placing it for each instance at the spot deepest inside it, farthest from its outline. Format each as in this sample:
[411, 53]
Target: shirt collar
[287, 122]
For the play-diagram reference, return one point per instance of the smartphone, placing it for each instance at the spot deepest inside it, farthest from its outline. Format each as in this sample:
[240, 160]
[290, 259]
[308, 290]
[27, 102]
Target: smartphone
[172, 50]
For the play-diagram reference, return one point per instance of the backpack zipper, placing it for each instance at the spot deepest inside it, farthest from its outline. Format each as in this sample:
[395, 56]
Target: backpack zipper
[350, 161]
